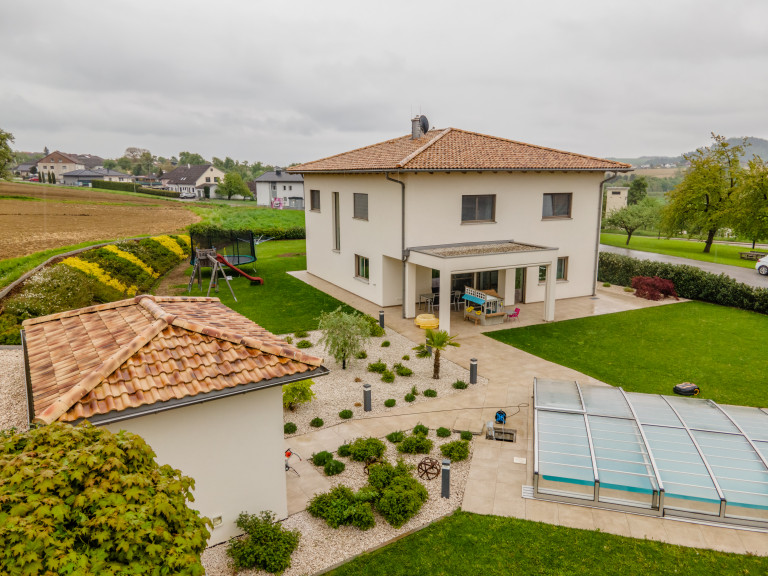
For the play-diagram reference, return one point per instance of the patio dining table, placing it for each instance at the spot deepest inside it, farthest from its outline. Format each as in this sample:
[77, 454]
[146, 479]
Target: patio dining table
[429, 299]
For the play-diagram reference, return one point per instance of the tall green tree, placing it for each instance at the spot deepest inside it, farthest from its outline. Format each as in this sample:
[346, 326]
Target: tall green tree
[233, 185]
[750, 206]
[437, 341]
[646, 214]
[191, 158]
[344, 335]
[6, 155]
[109, 164]
[702, 202]
[638, 189]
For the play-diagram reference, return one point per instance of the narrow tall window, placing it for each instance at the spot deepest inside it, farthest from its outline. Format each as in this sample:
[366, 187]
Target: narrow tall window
[557, 205]
[362, 267]
[336, 222]
[478, 208]
[361, 206]
[314, 200]
[561, 272]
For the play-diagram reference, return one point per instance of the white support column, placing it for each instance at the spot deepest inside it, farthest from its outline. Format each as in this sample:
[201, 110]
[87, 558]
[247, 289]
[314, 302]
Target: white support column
[508, 291]
[410, 290]
[549, 292]
[445, 300]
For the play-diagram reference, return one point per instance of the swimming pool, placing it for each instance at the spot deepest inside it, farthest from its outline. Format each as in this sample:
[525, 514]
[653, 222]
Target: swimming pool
[662, 455]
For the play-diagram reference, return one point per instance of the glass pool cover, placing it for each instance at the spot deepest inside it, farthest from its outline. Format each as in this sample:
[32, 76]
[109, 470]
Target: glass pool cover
[601, 446]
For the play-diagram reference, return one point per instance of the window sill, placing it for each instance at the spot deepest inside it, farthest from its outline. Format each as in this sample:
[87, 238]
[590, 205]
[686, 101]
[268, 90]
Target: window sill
[314, 210]
[544, 283]
[361, 279]
[472, 222]
[361, 219]
[545, 218]
[335, 251]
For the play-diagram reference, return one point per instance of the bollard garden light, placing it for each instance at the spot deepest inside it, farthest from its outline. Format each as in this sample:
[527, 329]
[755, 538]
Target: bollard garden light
[367, 397]
[473, 371]
[446, 488]
[381, 318]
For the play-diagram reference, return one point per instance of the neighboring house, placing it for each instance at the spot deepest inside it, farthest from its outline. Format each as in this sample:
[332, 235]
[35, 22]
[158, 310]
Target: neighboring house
[198, 381]
[615, 199]
[279, 187]
[60, 163]
[480, 211]
[193, 178]
[85, 177]
[23, 170]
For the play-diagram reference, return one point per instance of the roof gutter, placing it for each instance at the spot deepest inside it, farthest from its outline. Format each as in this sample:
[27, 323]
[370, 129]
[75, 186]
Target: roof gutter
[599, 222]
[403, 253]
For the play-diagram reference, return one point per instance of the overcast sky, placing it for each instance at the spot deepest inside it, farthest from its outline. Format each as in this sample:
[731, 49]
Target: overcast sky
[296, 81]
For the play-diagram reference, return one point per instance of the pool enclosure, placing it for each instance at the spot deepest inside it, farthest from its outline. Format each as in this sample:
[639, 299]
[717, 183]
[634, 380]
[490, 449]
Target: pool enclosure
[663, 455]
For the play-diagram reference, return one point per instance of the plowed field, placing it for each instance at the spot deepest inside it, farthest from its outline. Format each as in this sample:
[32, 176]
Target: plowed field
[36, 217]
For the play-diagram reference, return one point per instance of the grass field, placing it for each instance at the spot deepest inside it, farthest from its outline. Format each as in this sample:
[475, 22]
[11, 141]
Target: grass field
[719, 254]
[283, 304]
[14, 268]
[723, 350]
[473, 545]
[246, 216]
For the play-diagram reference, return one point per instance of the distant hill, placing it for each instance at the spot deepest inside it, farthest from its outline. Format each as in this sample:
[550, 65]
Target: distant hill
[757, 147]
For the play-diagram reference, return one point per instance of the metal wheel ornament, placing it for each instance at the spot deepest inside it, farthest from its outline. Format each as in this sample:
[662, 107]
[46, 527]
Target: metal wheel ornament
[428, 468]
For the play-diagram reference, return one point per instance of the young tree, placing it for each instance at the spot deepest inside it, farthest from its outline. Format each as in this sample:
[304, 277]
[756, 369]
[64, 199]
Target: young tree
[6, 155]
[702, 201]
[344, 335]
[437, 341]
[233, 185]
[82, 500]
[633, 217]
[750, 206]
[638, 189]
[110, 164]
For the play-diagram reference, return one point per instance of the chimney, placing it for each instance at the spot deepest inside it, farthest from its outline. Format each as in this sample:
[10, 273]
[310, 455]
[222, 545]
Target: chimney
[416, 132]
[278, 171]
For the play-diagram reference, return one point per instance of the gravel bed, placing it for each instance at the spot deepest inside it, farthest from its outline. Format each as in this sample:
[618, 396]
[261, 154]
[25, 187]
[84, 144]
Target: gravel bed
[13, 391]
[338, 390]
[321, 546]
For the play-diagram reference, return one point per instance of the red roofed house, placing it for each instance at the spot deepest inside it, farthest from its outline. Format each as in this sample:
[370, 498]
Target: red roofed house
[198, 381]
[485, 212]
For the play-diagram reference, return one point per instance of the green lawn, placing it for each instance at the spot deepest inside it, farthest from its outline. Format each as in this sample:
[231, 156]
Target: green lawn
[719, 254]
[473, 545]
[723, 350]
[246, 215]
[283, 304]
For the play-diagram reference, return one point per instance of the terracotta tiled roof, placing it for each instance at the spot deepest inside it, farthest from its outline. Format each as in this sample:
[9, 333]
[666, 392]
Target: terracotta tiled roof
[112, 357]
[453, 149]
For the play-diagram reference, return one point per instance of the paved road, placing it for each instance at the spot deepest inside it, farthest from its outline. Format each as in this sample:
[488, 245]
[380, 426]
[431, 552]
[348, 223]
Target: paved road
[748, 276]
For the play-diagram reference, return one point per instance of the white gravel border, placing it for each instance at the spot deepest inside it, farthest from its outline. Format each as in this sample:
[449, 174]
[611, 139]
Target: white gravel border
[13, 391]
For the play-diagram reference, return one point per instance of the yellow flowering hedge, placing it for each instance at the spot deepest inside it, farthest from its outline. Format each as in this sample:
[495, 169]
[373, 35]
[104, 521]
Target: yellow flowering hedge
[167, 242]
[131, 258]
[93, 269]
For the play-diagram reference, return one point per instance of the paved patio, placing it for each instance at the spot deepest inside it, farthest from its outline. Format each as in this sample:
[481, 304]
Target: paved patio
[499, 470]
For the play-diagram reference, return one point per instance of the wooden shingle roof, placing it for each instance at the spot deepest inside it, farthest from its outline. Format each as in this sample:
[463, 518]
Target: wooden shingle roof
[150, 351]
[454, 149]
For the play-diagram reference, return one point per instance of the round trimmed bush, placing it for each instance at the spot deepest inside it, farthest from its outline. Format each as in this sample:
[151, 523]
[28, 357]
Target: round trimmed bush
[406, 357]
[321, 458]
[344, 450]
[345, 414]
[459, 385]
[420, 429]
[366, 449]
[466, 435]
[301, 334]
[316, 422]
[456, 451]
[333, 467]
[388, 376]
[410, 397]
[303, 344]
[606, 284]
[443, 432]
[430, 393]
[385, 344]
[389, 402]
[416, 444]
[361, 355]
[289, 428]
[396, 437]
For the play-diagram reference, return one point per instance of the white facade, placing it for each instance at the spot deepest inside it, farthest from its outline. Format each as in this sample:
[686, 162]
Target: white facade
[433, 216]
[231, 446]
[291, 194]
[615, 199]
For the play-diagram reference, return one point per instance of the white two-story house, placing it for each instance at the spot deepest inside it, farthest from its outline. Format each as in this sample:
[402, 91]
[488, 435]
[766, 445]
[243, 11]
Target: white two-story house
[472, 210]
[202, 179]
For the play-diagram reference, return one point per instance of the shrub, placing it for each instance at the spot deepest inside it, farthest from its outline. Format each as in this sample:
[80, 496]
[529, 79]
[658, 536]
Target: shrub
[316, 422]
[406, 357]
[289, 339]
[389, 402]
[342, 507]
[388, 376]
[297, 393]
[401, 500]
[345, 414]
[301, 334]
[420, 429]
[366, 449]
[385, 344]
[396, 437]
[430, 393]
[360, 515]
[321, 458]
[373, 326]
[654, 288]
[362, 355]
[268, 546]
[377, 367]
[344, 450]
[466, 435]
[459, 385]
[416, 444]
[88, 501]
[289, 428]
[443, 432]
[358, 379]
[409, 397]
[381, 475]
[303, 344]
[414, 391]
[628, 289]
[606, 284]
[456, 451]
[401, 370]
[333, 467]
[343, 334]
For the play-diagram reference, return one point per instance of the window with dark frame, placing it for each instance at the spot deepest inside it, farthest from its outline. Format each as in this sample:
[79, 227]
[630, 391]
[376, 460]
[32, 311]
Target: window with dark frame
[561, 273]
[557, 205]
[314, 200]
[360, 206]
[336, 222]
[478, 208]
[362, 267]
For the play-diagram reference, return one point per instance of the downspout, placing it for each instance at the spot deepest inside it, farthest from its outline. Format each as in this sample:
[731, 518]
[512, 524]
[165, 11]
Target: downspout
[403, 254]
[599, 221]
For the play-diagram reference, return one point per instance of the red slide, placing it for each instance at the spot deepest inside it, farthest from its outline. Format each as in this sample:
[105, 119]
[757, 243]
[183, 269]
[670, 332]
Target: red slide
[254, 279]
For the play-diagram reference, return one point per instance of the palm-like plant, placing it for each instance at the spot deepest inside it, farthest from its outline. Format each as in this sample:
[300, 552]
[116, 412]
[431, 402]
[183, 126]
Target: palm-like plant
[437, 341]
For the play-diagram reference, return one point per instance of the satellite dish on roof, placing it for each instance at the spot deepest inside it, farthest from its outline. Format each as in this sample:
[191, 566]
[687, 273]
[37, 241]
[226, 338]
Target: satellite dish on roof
[424, 123]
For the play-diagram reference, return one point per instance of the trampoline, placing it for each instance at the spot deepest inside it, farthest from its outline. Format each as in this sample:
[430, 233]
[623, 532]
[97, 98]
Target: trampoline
[662, 455]
[237, 246]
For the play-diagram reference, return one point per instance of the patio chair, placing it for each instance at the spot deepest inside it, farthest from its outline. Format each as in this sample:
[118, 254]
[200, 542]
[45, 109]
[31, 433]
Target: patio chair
[514, 316]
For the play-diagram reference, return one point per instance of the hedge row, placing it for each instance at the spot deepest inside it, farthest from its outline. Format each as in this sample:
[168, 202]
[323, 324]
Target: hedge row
[690, 282]
[130, 187]
[292, 233]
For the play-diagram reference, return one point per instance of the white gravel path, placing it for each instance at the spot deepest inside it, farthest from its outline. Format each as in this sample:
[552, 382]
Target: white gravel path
[13, 390]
